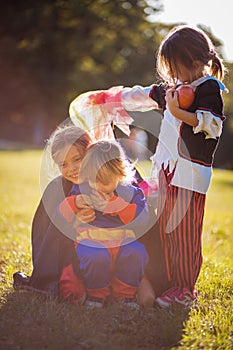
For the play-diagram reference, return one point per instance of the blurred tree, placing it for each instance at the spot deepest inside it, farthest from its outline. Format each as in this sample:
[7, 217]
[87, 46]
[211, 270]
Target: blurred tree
[53, 50]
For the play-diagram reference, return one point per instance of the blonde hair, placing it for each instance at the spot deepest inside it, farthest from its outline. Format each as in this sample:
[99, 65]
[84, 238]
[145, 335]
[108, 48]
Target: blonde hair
[66, 136]
[184, 45]
[105, 160]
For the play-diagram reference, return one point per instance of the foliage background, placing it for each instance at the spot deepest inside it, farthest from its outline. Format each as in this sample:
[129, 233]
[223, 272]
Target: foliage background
[53, 50]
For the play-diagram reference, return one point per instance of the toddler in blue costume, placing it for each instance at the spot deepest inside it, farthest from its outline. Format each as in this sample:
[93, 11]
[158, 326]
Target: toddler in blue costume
[112, 261]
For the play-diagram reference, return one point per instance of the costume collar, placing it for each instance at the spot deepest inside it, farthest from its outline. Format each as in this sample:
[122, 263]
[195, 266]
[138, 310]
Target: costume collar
[209, 77]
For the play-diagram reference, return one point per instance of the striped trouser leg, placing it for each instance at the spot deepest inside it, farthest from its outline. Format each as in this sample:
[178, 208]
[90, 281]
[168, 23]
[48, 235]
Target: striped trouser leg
[181, 221]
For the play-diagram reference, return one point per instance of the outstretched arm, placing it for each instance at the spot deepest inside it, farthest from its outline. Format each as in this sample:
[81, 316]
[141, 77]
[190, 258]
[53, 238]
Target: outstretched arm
[94, 111]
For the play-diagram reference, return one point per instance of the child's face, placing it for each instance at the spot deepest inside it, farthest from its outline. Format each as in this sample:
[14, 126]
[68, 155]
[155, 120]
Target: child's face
[106, 191]
[184, 74]
[69, 162]
[188, 75]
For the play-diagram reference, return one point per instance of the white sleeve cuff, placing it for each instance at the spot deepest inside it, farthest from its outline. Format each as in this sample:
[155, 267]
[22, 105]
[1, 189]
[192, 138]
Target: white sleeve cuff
[209, 124]
[137, 99]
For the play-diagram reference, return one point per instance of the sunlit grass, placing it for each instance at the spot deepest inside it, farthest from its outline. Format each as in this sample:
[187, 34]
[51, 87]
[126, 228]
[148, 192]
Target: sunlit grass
[218, 222]
[28, 322]
[19, 193]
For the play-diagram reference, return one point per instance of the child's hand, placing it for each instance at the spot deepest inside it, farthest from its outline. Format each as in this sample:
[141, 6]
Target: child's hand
[84, 216]
[82, 201]
[158, 93]
[86, 213]
[172, 100]
[149, 186]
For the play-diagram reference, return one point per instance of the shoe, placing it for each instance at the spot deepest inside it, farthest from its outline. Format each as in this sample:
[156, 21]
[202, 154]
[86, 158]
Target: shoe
[130, 302]
[20, 280]
[177, 296]
[168, 297]
[94, 302]
[186, 298]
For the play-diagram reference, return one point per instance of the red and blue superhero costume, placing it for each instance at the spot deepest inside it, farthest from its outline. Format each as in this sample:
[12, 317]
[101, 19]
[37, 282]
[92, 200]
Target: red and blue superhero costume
[110, 258]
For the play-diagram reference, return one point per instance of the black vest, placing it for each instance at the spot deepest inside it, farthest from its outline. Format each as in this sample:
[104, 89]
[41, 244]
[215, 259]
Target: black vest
[196, 147]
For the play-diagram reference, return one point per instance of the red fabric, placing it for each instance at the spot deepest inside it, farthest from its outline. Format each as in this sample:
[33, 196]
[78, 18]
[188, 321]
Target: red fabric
[115, 204]
[112, 95]
[118, 206]
[148, 188]
[121, 290]
[127, 215]
[70, 286]
[113, 252]
[181, 215]
[68, 208]
[102, 293]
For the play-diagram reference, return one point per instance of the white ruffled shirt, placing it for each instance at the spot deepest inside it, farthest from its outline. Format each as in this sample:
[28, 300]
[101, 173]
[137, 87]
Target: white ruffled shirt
[188, 175]
[94, 111]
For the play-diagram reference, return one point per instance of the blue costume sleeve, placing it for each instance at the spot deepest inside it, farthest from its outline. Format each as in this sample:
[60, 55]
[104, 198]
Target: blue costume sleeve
[134, 195]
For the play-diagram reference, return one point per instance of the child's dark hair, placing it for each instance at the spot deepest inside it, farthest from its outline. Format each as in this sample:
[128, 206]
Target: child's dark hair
[185, 45]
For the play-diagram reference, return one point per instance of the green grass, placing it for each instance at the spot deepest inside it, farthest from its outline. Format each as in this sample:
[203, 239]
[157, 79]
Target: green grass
[29, 322]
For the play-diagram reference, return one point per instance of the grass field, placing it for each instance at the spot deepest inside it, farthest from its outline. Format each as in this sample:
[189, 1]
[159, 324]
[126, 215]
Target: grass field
[29, 322]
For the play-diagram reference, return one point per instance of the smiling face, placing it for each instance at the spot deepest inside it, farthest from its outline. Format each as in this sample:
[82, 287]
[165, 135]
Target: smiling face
[69, 161]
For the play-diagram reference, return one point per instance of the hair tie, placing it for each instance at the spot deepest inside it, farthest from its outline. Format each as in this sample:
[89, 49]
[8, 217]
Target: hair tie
[212, 54]
[105, 146]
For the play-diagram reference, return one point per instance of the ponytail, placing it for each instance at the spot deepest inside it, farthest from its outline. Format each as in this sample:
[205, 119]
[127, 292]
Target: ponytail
[216, 68]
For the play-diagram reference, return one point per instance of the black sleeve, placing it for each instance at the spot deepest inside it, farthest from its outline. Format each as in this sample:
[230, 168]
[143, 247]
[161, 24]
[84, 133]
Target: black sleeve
[54, 193]
[208, 97]
[51, 249]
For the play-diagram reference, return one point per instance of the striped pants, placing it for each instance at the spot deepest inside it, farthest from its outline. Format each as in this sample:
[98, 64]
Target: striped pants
[180, 215]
